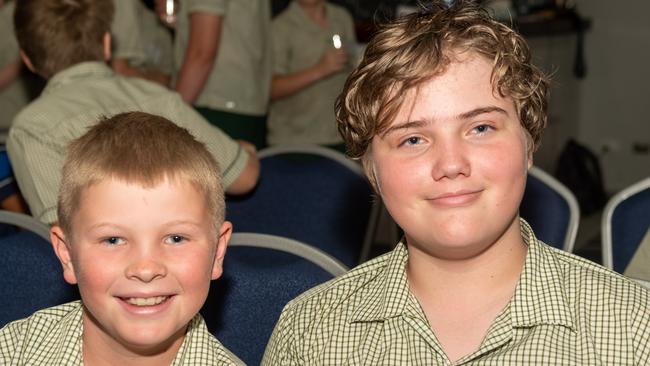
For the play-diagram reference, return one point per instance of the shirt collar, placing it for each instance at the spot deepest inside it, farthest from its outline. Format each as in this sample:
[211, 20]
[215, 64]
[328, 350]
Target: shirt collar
[539, 296]
[389, 293]
[81, 70]
[72, 341]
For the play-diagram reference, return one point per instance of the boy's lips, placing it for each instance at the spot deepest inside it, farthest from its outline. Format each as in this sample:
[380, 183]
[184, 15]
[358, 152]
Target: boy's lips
[146, 301]
[456, 199]
[142, 304]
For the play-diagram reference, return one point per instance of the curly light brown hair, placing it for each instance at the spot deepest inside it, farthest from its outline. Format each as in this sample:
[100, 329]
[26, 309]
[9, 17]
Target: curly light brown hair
[415, 48]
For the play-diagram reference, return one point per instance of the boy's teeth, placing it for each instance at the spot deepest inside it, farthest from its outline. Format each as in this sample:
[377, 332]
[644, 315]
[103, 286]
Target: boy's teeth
[146, 301]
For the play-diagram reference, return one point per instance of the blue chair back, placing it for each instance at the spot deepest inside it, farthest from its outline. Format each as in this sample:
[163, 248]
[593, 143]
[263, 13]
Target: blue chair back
[626, 219]
[310, 197]
[32, 277]
[258, 281]
[550, 209]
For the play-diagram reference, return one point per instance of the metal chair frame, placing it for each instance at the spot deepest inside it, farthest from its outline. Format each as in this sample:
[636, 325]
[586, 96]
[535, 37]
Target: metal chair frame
[298, 248]
[608, 213]
[26, 222]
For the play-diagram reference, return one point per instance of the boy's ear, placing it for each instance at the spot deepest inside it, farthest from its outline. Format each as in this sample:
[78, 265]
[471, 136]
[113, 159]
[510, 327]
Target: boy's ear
[27, 62]
[222, 243]
[62, 250]
[107, 46]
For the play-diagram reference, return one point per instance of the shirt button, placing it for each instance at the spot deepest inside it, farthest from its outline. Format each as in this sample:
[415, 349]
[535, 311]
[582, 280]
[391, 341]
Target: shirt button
[230, 104]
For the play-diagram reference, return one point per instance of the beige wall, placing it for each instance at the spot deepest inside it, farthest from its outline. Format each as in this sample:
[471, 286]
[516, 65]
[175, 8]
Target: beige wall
[609, 110]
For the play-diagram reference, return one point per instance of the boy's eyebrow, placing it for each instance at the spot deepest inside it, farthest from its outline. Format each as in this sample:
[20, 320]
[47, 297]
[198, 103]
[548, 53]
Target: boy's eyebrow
[465, 115]
[402, 126]
[481, 110]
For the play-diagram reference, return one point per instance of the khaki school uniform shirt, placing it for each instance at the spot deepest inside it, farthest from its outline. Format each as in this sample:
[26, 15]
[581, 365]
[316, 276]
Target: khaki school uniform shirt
[157, 42]
[126, 41]
[53, 336]
[565, 310]
[240, 80]
[73, 101]
[639, 267]
[299, 43]
[16, 95]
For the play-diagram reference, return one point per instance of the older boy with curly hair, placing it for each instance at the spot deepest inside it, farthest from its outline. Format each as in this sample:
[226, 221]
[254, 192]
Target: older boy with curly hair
[445, 111]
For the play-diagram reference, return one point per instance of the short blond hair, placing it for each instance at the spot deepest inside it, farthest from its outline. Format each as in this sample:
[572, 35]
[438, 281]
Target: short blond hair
[415, 48]
[139, 148]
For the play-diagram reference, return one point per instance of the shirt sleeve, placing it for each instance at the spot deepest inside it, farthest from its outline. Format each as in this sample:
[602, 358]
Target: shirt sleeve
[215, 7]
[36, 166]
[281, 49]
[229, 154]
[127, 41]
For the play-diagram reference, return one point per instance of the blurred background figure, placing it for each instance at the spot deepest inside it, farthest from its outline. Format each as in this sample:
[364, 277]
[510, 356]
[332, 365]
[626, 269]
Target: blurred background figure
[222, 63]
[18, 86]
[311, 61]
[141, 45]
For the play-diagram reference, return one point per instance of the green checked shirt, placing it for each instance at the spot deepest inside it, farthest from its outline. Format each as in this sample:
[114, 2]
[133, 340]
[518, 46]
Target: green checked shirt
[565, 311]
[53, 336]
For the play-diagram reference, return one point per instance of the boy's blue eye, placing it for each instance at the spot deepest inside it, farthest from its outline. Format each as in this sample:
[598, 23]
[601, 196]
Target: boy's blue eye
[480, 129]
[114, 240]
[413, 140]
[175, 239]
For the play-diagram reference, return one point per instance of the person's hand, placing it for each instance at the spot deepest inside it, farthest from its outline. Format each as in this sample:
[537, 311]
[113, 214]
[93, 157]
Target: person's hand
[333, 61]
[160, 8]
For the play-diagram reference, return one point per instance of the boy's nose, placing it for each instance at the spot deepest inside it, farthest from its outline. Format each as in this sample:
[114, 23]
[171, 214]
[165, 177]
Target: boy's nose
[146, 268]
[450, 161]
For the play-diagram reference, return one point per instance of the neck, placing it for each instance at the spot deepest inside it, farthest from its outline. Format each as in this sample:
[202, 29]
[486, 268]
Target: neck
[493, 272]
[315, 11]
[100, 349]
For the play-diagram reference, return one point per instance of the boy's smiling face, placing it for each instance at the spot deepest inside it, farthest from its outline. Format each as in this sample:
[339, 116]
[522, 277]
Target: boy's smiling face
[451, 168]
[143, 259]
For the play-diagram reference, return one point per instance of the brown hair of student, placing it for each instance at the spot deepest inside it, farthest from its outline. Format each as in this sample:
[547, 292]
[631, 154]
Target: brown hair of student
[56, 34]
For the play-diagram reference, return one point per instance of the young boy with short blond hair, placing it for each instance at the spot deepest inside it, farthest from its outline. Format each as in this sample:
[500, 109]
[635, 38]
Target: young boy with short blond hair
[142, 232]
[68, 43]
[445, 111]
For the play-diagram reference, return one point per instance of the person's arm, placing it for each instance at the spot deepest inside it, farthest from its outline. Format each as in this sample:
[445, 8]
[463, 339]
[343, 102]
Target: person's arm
[200, 55]
[9, 73]
[37, 165]
[284, 85]
[122, 67]
[247, 179]
[240, 168]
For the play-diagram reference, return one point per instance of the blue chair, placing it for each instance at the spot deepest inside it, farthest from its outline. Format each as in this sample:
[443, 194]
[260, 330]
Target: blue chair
[310, 194]
[32, 278]
[626, 219]
[550, 209]
[262, 273]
